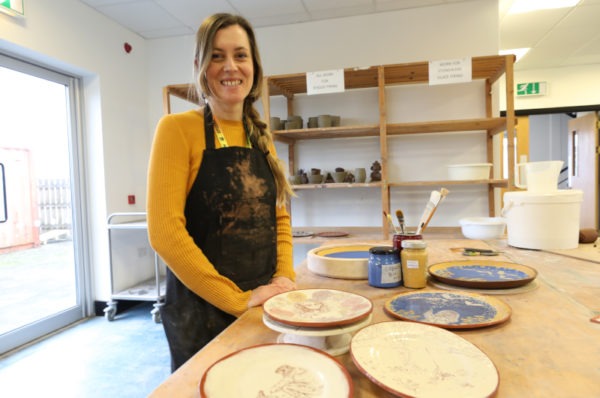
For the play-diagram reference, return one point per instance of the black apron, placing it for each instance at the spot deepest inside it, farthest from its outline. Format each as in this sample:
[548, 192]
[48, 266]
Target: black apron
[230, 214]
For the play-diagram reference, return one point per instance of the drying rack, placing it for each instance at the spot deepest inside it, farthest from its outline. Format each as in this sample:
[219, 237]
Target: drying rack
[152, 289]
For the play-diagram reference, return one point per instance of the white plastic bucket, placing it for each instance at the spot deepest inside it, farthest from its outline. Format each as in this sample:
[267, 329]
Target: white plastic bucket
[543, 221]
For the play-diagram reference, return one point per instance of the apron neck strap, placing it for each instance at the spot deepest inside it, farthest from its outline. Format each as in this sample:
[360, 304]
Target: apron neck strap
[209, 131]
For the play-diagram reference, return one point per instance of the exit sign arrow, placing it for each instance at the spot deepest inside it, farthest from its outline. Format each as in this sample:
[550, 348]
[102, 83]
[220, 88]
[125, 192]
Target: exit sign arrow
[531, 88]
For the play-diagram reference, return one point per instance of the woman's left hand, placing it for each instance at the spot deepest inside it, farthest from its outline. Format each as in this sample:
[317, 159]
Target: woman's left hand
[284, 282]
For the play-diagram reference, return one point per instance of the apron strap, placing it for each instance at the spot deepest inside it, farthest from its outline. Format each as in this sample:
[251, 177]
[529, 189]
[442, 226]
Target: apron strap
[209, 133]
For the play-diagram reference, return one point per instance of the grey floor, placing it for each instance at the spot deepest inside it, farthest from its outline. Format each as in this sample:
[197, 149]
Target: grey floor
[125, 358]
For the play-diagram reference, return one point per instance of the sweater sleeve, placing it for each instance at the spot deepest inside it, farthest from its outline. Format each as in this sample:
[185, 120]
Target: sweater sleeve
[168, 174]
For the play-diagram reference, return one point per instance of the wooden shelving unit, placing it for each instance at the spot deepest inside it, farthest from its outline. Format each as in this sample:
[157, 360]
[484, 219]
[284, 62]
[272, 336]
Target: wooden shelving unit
[489, 68]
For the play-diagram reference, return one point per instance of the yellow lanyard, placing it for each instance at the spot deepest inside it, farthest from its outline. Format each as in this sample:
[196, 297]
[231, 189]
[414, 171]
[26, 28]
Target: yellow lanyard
[223, 141]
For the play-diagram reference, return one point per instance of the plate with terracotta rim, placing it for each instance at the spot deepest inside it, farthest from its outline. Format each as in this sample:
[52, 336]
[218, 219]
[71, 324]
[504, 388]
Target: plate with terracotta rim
[332, 234]
[410, 359]
[267, 370]
[450, 310]
[486, 274]
[317, 307]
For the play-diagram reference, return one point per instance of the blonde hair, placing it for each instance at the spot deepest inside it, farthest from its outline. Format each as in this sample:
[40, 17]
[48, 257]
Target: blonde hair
[257, 128]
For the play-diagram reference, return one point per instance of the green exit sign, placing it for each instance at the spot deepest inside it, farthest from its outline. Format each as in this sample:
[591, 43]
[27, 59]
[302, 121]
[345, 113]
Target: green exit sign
[532, 88]
[12, 7]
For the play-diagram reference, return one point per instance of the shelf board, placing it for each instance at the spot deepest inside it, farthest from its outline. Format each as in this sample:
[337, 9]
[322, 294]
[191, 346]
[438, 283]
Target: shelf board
[327, 132]
[495, 124]
[495, 183]
[334, 185]
[488, 67]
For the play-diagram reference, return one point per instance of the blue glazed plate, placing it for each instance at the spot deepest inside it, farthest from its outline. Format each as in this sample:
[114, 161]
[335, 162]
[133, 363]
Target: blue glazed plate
[450, 310]
[482, 273]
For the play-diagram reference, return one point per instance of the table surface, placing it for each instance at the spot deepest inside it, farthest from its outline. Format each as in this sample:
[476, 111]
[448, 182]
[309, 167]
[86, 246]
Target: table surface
[548, 348]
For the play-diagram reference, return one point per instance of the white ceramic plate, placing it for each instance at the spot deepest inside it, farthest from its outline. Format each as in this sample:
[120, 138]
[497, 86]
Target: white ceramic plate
[317, 307]
[418, 360]
[277, 370]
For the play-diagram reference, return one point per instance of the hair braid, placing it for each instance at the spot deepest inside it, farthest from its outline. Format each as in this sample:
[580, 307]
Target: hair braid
[260, 134]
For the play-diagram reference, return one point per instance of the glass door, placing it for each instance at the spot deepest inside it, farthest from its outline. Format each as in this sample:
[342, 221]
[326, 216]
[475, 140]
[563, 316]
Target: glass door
[41, 272]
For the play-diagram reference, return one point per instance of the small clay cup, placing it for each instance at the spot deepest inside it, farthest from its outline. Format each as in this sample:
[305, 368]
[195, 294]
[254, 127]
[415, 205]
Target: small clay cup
[313, 122]
[339, 176]
[324, 120]
[315, 178]
[335, 121]
[360, 174]
[275, 123]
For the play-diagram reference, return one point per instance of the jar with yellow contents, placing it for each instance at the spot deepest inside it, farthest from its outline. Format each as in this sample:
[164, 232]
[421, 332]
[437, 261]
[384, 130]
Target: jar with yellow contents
[414, 263]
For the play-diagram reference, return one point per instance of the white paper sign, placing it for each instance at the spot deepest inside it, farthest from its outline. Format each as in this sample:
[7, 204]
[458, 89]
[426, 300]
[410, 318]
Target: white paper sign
[326, 81]
[450, 71]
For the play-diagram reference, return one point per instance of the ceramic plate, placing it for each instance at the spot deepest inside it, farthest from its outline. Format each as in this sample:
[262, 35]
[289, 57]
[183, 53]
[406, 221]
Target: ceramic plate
[276, 370]
[448, 309]
[483, 273]
[416, 360]
[332, 234]
[317, 307]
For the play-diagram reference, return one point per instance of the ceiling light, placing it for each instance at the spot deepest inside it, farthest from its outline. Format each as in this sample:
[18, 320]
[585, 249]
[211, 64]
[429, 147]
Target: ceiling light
[520, 6]
[519, 52]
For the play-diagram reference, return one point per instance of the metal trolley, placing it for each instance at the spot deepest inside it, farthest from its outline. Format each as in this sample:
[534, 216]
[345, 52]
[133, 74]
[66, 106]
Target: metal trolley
[152, 289]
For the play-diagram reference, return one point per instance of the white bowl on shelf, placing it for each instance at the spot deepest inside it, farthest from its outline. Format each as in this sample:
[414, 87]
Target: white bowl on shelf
[472, 171]
[483, 227]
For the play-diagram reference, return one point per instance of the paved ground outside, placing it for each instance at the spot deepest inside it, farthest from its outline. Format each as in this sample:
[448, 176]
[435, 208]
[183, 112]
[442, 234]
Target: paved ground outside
[36, 283]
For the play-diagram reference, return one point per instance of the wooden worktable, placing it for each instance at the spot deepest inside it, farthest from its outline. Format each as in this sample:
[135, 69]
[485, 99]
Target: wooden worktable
[548, 348]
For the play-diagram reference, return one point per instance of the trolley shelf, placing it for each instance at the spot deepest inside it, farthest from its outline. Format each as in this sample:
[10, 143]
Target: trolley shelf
[144, 291]
[152, 289]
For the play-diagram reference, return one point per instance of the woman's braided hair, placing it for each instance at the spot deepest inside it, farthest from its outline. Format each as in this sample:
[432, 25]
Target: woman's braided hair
[256, 127]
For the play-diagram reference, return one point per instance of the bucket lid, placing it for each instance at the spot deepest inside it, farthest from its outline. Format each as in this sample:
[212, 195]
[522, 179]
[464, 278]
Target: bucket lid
[558, 196]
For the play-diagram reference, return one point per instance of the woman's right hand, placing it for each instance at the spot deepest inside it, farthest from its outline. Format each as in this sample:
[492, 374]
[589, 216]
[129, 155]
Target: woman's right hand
[265, 292]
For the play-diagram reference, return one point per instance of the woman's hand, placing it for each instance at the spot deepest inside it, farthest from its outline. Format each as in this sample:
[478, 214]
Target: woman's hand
[265, 292]
[284, 282]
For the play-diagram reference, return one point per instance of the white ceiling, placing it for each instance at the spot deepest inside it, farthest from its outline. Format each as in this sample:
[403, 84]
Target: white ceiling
[559, 37]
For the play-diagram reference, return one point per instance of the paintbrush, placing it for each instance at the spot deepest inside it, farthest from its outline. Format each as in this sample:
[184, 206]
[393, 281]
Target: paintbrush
[400, 217]
[434, 198]
[391, 222]
[443, 193]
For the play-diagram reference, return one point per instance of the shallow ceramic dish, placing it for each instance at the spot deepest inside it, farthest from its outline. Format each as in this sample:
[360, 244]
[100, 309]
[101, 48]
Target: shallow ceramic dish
[332, 234]
[350, 261]
[482, 273]
[411, 359]
[317, 307]
[276, 370]
[483, 227]
[450, 310]
[472, 171]
[302, 234]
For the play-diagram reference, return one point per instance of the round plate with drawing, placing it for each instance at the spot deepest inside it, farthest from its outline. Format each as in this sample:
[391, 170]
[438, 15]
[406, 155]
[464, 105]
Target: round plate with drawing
[317, 307]
[267, 370]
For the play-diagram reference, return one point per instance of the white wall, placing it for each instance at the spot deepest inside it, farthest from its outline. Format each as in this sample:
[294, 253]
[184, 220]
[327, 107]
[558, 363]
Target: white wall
[566, 87]
[428, 33]
[71, 37]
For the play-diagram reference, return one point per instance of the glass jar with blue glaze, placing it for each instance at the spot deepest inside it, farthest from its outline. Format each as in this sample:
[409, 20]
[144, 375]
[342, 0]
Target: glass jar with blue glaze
[385, 269]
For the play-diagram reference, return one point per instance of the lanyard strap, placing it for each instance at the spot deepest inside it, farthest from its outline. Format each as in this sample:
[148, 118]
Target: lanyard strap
[222, 139]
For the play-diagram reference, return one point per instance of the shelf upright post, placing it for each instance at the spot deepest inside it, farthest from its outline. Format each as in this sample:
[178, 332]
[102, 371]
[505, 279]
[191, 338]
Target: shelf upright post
[510, 120]
[385, 190]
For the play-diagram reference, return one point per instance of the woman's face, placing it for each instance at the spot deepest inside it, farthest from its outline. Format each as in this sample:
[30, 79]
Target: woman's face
[230, 74]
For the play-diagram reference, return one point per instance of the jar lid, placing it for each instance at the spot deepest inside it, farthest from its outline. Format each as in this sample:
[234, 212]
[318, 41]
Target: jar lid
[383, 250]
[414, 244]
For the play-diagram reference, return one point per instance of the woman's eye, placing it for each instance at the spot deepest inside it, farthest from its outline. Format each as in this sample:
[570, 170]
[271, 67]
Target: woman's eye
[242, 55]
[217, 56]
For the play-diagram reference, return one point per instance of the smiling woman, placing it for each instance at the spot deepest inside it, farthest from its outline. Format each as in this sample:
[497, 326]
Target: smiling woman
[215, 195]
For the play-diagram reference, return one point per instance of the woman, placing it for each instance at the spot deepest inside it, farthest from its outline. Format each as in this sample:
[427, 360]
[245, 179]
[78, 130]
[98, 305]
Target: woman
[216, 194]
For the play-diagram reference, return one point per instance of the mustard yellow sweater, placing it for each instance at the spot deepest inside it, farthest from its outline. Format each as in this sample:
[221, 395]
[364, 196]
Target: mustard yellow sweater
[176, 155]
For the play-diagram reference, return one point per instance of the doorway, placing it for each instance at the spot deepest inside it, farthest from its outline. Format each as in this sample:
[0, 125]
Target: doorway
[41, 256]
